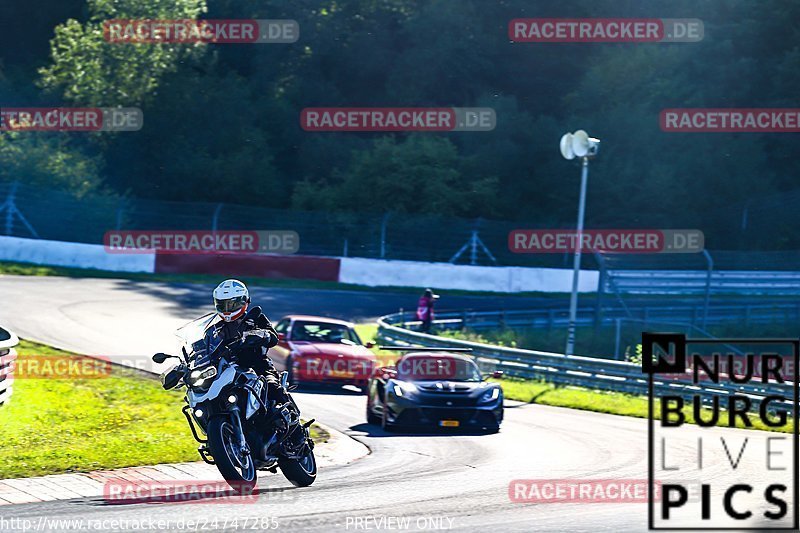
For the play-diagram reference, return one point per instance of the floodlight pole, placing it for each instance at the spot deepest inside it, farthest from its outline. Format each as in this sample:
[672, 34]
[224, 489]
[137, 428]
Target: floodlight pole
[573, 299]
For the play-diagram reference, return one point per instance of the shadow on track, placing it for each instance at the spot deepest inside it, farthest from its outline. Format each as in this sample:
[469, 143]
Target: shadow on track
[158, 497]
[376, 431]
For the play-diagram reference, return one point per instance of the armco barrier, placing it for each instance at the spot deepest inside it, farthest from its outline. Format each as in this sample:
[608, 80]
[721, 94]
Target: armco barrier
[693, 282]
[743, 314]
[72, 255]
[588, 372]
[379, 272]
[7, 357]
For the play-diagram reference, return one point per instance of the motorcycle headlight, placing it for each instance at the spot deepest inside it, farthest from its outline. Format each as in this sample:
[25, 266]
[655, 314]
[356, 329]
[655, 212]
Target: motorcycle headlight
[491, 395]
[199, 376]
[403, 388]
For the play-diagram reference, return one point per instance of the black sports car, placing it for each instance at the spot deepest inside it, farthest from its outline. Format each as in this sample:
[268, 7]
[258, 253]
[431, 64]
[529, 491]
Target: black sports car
[434, 389]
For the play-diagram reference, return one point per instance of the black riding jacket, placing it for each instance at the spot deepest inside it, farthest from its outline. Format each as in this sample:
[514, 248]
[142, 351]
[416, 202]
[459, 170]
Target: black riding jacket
[259, 334]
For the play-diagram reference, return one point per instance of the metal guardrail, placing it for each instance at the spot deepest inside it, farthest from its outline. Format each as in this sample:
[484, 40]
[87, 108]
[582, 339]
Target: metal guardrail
[7, 357]
[697, 282]
[588, 372]
[557, 317]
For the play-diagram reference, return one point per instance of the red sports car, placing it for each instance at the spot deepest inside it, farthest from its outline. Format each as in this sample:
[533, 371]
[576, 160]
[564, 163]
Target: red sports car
[316, 349]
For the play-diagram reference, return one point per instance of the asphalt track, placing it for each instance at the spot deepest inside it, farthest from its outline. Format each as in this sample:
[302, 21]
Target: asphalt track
[450, 481]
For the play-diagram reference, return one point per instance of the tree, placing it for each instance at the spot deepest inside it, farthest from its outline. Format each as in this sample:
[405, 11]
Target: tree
[49, 161]
[418, 175]
[90, 71]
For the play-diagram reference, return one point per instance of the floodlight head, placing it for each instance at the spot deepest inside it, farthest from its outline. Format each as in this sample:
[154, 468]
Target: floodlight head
[580, 143]
[566, 146]
[583, 145]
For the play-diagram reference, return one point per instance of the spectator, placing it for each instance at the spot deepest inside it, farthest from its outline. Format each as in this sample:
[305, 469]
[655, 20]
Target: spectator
[425, 309]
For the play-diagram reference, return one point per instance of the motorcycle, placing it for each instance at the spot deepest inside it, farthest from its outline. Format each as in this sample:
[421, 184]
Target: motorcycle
[245, 429]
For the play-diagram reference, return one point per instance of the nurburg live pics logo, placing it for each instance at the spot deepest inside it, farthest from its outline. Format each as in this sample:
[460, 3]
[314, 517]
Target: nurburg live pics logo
[749, 477]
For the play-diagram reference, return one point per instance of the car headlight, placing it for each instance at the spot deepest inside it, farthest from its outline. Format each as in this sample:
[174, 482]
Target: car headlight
[199, 376]
[403, 388]
[491, 395]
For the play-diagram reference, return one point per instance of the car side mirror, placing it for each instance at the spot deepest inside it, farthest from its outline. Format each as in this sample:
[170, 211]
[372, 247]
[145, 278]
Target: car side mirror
[161, 357]
[370, 344]
[497, 374]
[281, 336]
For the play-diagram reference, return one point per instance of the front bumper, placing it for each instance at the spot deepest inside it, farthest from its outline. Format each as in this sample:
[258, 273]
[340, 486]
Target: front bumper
[405, 412]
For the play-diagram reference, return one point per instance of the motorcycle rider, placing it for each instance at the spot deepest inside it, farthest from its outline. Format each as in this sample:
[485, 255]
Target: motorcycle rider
[253, 329]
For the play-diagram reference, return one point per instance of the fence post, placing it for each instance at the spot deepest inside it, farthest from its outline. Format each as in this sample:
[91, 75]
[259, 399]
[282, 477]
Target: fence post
[708, 286]
[601, 287]
[384, 223]
[215, 219]
[11, 210]
[617, 338]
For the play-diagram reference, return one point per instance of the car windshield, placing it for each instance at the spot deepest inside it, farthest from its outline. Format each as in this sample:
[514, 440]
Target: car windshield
[437, 368]
[324, 332]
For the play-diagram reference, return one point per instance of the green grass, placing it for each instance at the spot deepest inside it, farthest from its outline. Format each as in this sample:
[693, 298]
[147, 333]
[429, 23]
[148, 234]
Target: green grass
[614, 403]
[369, 332]
[79, 425]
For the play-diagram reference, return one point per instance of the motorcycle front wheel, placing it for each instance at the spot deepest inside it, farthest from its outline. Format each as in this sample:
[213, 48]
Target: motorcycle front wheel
[300, 472]
[238, 470]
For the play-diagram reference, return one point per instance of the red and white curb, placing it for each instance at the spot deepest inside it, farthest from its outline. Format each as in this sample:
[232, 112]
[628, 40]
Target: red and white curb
[338, 450]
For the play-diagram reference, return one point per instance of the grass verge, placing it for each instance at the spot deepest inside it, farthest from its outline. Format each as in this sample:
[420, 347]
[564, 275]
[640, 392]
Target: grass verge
[54, 426]
[614, 403]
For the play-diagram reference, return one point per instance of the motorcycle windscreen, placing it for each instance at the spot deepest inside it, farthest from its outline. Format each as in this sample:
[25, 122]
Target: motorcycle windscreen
[194, 339]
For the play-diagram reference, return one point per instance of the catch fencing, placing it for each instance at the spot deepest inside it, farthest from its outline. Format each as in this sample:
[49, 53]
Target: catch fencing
[7, 358]
[559, 369]
[28, 211]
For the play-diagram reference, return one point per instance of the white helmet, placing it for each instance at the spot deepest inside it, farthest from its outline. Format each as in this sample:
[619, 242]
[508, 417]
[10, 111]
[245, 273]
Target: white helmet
[231, 298]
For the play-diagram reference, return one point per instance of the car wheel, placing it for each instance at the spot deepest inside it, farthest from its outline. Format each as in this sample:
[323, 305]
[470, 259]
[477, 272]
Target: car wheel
[290, 370]
[372, 418]
[385, 424]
